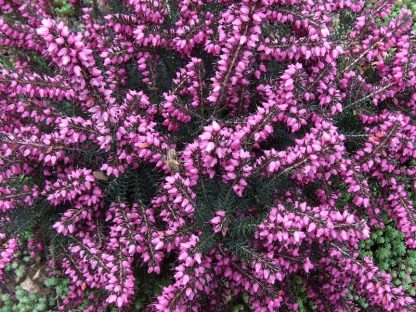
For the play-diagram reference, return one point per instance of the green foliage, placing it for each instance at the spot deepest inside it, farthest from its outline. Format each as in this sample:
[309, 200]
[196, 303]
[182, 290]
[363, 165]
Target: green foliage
[5, 62]
[23, 301]
[299, 293]
[63, 8]
[26, 287]
[387, 247]
[59, 284]
[148, 287]
[358, 300]
[236, 303]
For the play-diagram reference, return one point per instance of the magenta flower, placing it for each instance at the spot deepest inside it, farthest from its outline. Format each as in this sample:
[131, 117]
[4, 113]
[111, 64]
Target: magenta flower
[223, 149]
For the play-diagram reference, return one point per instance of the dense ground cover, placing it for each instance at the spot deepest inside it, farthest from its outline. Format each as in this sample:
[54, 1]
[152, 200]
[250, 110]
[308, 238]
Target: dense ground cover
[207, 155]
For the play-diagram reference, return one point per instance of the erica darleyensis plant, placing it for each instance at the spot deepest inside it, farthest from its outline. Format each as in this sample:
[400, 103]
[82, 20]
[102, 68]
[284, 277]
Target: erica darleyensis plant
[233, 147]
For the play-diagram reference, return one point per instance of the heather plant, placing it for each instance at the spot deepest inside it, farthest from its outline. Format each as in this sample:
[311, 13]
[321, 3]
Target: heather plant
[208, 155]
[409, 4]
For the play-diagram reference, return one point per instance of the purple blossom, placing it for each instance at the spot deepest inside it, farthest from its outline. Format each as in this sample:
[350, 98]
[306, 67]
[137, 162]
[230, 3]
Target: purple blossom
[230, 146]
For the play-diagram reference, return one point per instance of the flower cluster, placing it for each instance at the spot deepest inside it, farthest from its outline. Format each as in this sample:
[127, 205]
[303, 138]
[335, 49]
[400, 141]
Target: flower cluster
[228, 147]
[8, 248]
